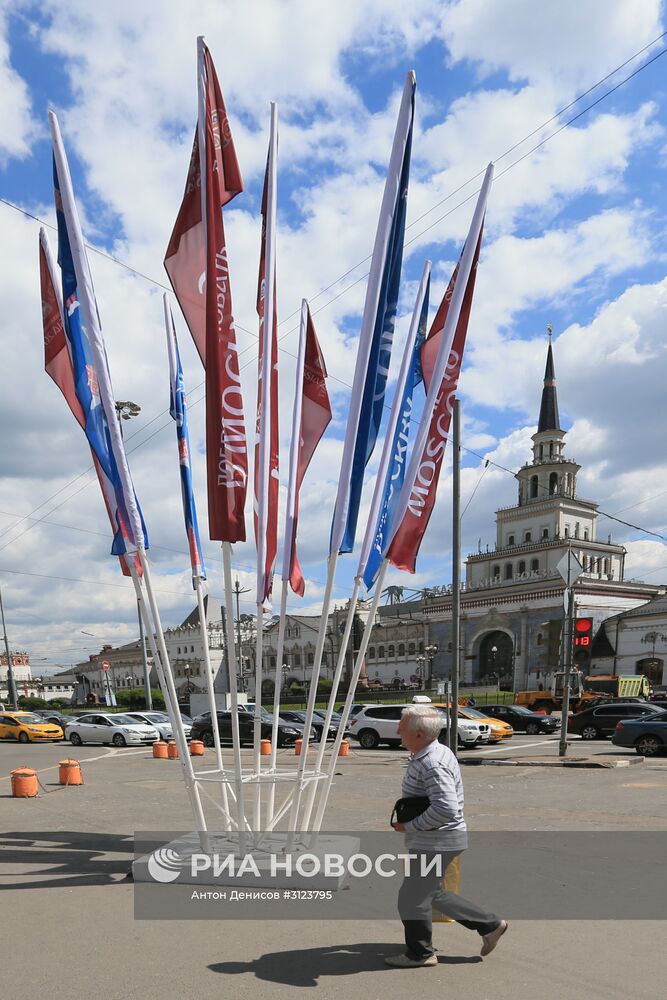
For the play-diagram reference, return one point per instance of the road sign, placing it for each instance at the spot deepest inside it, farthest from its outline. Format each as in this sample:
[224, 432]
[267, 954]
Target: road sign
[570, 568]
[106, 665]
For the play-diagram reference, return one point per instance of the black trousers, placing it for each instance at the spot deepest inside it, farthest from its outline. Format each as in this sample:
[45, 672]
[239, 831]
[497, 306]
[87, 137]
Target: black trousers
[419, 894]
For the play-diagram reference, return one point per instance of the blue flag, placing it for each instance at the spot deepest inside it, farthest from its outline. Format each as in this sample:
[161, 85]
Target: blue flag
[178, 410]
[396, 468]
[377, 331]
[90, 369]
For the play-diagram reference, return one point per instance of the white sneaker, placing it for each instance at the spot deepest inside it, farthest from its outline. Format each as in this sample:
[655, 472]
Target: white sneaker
[405, 962]
[489, 941]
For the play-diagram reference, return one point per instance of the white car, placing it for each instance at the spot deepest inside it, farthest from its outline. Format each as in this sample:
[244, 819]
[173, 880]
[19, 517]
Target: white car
[375, 724]
[159, 721]
[119, 730]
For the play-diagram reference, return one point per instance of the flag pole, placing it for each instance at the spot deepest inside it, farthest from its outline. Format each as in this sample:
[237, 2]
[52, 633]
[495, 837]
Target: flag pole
[456, 578]
[345, 714]
[211, 696]
[335, 683]
[171, 704]
[319, 649]
[234, 701]
[265, 428]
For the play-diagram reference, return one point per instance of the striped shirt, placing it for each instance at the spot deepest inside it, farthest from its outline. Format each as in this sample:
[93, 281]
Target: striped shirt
[434, 772]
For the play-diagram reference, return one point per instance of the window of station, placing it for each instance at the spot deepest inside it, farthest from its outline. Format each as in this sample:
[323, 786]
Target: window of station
[496, 571]
[553, 482]
[528, 537]
[510, 539]
[533, 487]
[545, 533]
[509, 571]
[521, 568]
[534, 565]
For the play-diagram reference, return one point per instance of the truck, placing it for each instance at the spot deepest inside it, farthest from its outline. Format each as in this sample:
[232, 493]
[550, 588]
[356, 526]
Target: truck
[584, 691]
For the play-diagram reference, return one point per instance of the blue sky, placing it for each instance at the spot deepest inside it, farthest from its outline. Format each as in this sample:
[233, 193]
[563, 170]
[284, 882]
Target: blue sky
[575, 237]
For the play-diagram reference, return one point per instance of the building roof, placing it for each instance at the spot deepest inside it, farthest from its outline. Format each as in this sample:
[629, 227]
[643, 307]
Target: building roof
[212, 609]
[549, 419]
[655, 607]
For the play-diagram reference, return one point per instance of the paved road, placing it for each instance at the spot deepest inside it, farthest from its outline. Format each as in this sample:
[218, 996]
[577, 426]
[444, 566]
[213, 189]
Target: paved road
[68, 910]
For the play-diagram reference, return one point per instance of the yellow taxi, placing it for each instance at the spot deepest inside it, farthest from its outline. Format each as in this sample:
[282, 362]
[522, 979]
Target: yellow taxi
[498, 730]
[26, 727]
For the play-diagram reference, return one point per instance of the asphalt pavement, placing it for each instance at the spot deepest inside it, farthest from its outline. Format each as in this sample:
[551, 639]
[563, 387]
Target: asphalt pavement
[67, 905]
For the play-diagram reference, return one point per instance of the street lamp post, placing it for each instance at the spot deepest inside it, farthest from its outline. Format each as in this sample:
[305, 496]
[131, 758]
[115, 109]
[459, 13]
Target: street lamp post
[12, 694]
[188, 686]
[420, 661]
[430, 654]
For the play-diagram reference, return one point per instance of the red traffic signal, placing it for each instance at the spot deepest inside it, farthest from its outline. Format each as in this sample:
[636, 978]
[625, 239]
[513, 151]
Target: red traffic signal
[582, 641]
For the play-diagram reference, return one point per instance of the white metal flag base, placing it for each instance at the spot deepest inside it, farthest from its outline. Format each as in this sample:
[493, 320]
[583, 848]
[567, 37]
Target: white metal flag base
[245, 802]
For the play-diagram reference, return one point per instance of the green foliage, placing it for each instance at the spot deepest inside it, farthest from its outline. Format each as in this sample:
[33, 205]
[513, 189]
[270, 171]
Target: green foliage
[135, 698]
[31, 702]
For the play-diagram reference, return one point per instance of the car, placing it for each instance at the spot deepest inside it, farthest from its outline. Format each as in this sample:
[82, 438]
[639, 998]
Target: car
[648, 735]
[376, 724]
[498, 730]
[27, 727]
[521, 719]
[57, 718]
[658, 692]
[161, 722]
[317, 722]
[288, 733]
[601, 720]
[119, 730]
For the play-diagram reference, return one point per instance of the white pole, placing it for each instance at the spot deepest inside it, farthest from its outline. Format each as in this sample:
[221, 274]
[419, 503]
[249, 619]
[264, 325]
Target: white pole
[257, 729]
[232, 667]
[276, 698]
[345, 714]
[172, 709]
[211, 695]
[321, 636]
[295, 451]
[332, 699]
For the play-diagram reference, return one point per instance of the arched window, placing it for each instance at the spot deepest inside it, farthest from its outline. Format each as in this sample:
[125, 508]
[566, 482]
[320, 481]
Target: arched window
[541, 452]
[178, 650]
[553, 483]
[533, 487]
[371, 652]
[585, 534]
[539, 639]
[496, 571]
[411, 649]
[401, 649]
[510, 539]
[534, 565]
[391, 652]
[381, 652]
[545, 533]
[551, 449]
[521, 568]
[567, 531]
[509, 571]
[528, 537]
[421, 647]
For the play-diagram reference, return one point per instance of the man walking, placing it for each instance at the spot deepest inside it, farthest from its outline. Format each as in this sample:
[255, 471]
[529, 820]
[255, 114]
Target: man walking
[438, 832]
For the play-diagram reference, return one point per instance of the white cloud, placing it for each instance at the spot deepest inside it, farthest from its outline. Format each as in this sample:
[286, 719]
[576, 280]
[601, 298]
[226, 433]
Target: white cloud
[17, 126]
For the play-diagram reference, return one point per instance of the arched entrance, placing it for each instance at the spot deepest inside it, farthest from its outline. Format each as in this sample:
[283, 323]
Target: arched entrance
[496, 660]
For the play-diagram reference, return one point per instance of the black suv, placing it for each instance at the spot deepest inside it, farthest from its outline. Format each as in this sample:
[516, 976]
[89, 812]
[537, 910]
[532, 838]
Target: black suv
[288, 733]
[601, 720]
[521, 719]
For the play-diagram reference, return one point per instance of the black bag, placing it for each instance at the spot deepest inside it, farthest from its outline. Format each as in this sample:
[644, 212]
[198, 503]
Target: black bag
[408, 809]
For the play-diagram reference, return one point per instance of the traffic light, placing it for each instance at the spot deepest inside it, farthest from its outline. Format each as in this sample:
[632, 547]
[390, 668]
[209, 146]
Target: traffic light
[582, 643]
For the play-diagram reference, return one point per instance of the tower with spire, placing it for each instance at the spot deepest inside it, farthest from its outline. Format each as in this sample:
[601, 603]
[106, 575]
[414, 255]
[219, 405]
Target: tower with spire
[549, 517]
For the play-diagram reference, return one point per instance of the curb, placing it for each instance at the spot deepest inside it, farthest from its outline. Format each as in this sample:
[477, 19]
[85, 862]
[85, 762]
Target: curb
[582, 762]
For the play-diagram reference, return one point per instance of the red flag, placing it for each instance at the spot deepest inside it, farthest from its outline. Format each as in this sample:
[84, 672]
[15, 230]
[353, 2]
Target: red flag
[404, 547]
[312, 414]
[267, 437]
[196, 262]
[58, 364]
